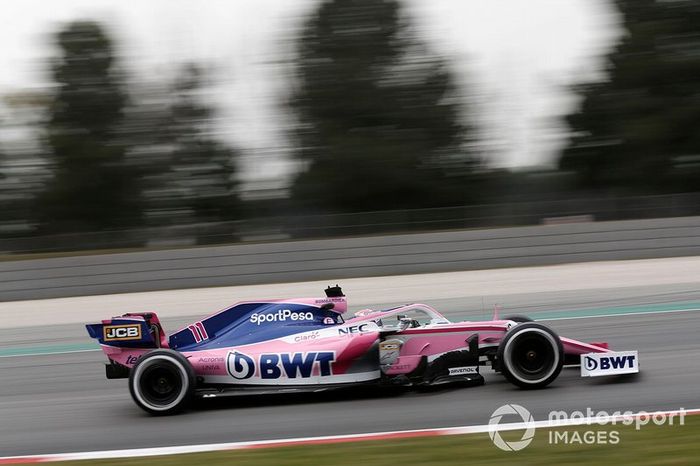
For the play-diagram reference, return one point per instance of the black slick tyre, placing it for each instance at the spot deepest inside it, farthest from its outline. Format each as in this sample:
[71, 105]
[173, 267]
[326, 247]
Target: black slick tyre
[162, 382]
[530, 355]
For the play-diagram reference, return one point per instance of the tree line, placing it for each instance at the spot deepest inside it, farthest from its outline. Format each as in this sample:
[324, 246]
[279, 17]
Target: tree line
[378, 124]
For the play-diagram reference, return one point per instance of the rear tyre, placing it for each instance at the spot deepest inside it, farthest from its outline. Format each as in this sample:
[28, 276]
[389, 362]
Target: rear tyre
[162, 382]
[530, 355]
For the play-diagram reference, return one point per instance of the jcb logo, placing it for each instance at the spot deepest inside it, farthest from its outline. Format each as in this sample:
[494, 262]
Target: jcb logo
[121, 332]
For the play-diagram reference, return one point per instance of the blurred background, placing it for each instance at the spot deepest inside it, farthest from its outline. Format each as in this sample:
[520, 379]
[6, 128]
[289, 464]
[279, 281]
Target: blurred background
[173, 123]
[400, 148]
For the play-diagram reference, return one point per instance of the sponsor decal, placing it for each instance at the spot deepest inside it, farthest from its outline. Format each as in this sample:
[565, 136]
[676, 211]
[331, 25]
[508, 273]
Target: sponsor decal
[211, 360]
[121, 332]
[131, 360]
[611, 363]
[328, 320]
[278, 365]
[329, 300]
[389, 351]
[306, 337]
[240, 366]
[362, 328]
[462, 370]
[282, 315]
[391, 345]
[198, 332]
[400, 367]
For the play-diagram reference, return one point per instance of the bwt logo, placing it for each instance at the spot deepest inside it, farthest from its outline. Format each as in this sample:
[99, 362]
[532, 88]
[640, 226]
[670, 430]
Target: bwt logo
[609, 362]
[275, 365]
[121, 332]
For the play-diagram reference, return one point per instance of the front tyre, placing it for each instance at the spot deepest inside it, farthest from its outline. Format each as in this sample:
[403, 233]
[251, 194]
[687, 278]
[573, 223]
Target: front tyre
[162, 382]
[530, 355]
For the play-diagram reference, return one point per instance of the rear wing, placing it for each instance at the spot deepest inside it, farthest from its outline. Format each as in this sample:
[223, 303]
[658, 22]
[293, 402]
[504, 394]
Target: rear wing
[137, 330]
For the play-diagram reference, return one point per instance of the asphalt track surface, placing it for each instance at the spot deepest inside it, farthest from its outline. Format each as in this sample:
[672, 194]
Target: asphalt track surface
[62, 402]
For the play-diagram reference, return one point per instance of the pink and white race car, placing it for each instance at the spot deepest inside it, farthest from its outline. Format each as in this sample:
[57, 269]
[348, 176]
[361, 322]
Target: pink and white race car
[307, 345]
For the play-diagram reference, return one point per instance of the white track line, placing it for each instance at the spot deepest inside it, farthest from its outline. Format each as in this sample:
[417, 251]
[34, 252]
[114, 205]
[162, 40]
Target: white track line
[177, 450]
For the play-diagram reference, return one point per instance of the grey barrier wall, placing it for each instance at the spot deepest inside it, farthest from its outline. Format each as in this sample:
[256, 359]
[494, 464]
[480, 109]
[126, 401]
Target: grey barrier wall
[334, 259]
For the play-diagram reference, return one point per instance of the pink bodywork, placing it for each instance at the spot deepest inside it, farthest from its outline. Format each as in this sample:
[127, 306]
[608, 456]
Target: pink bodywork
[444, 337]
[431, 340]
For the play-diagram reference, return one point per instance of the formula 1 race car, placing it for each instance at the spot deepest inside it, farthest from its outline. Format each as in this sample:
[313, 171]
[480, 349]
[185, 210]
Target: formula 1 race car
[307, 345]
